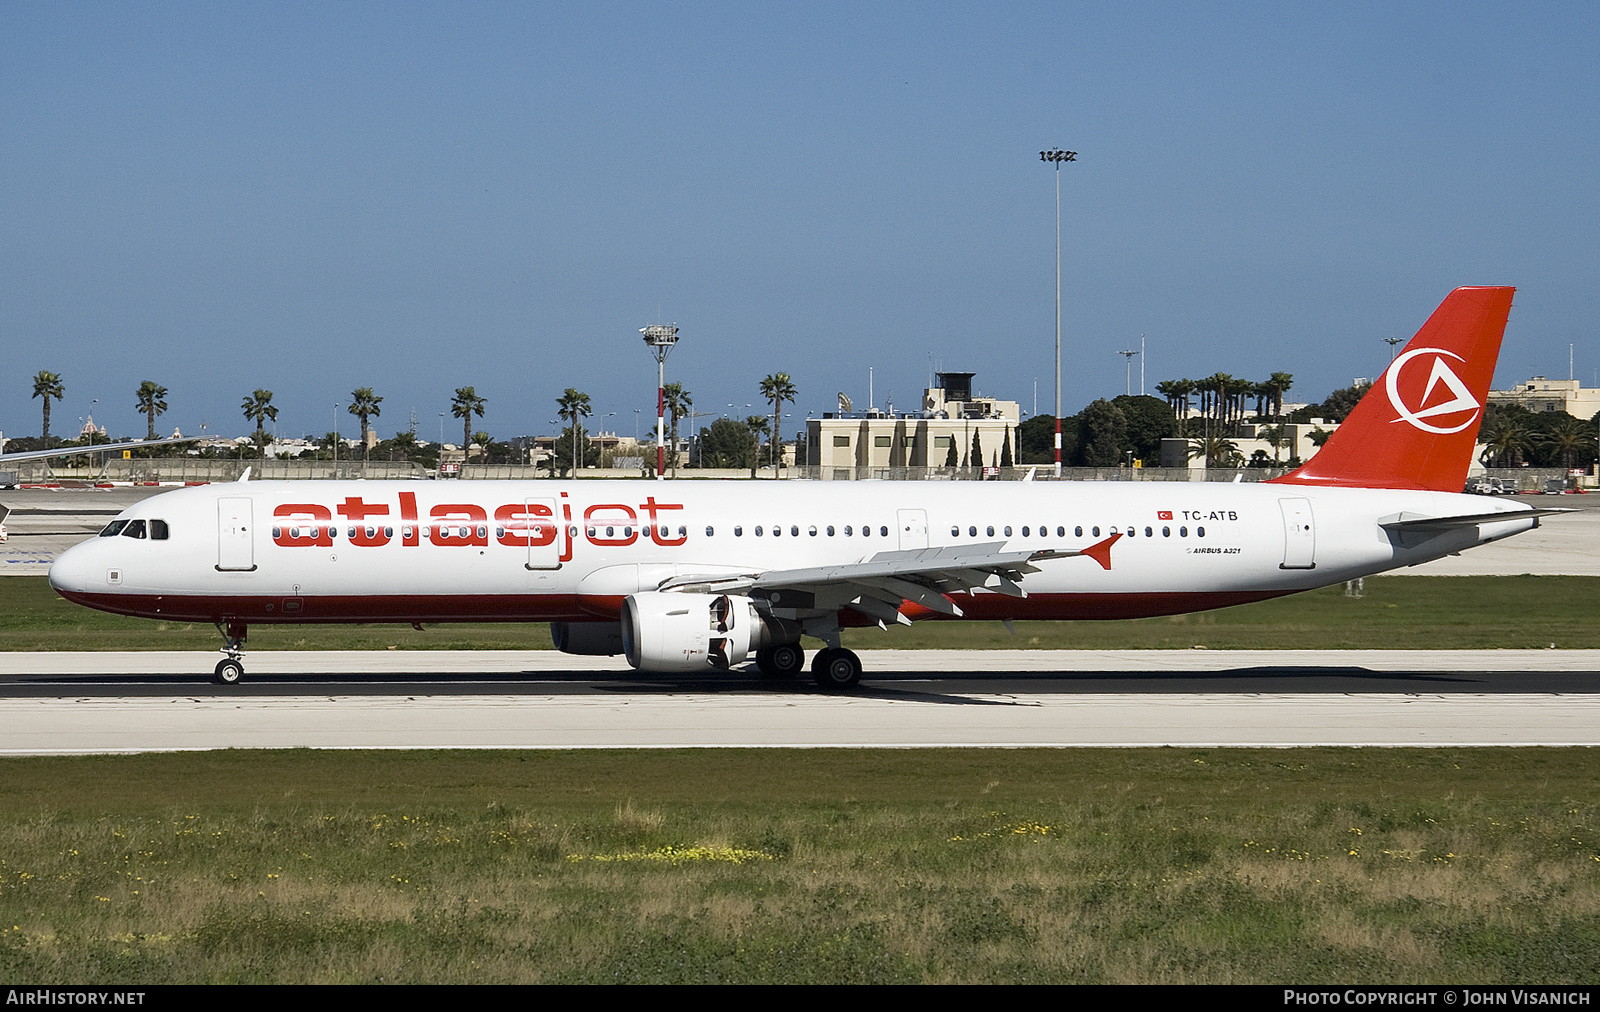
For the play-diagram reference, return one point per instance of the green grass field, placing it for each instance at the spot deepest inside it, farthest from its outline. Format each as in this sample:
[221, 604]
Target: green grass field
[1418, 612]
[933, 866]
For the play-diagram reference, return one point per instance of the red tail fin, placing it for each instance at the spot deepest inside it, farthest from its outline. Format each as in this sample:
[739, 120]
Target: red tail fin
[1418, 425]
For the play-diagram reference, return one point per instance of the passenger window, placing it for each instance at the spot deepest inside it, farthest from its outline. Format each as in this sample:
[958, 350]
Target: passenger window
[972, 532]
[777, 530]
[1095, 531]
[1149, 533]
[955, 532]
[866, 532]
[683, 532]
[758, 530]
[1199, 532]
[813, 530]
[883, 532]
[1061, 532]
[135, 529]
[738, 530]
[1078, 531]
[710, 532]
[990, 531]
[1008, 531]
[1025, 532]
[830, 530]
[848, 530]
[1166, 532]
[794, 530]
[1183, 532]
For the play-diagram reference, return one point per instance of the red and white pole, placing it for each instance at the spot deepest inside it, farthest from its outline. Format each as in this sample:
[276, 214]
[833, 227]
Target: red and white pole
[661, 417]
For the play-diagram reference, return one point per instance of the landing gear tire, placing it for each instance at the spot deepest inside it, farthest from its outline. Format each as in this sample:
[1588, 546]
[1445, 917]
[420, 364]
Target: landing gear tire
[229, 672]
[783, 661]
[836, 669]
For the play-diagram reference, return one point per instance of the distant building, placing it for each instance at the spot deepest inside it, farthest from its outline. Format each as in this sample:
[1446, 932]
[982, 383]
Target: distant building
[951, 415]
[1541, 395]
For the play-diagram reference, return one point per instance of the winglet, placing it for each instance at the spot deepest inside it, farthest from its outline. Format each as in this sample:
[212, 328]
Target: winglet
[1417, 427]
[1101, 552]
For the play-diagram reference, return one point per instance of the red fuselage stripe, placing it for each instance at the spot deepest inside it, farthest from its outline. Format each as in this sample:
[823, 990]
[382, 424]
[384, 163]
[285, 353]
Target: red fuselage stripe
[591, 608]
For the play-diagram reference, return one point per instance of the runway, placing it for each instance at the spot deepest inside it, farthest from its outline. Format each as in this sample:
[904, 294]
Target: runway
[109, 703]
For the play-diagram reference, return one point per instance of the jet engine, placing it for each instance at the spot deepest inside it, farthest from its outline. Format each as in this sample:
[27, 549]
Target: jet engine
[589, 638]
[692, 632]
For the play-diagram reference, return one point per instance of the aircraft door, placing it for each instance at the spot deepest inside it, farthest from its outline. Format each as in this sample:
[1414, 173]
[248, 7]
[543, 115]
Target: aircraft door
[1299, 535]
[913, 529]
[235, 537]
[544, 525]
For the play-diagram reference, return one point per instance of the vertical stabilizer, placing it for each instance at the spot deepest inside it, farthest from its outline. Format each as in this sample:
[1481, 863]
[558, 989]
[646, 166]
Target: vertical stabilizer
[1417, 427]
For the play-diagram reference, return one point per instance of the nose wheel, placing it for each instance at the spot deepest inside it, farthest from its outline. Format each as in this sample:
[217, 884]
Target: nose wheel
[230, 670]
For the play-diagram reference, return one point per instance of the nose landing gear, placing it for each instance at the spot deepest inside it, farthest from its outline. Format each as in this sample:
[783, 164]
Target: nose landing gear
[230, 670]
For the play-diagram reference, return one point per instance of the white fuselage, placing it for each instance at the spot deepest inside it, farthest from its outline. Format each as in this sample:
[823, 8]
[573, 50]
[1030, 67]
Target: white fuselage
[357, 551]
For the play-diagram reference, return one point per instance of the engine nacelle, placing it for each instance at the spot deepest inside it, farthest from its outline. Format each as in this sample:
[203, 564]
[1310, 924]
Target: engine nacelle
[693, 632]
[590, 638]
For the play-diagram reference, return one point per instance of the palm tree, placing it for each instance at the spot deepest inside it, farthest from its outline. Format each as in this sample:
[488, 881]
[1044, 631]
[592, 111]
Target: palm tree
[1218, 451]
[464, 405]
[1505, 442]
[258, 408]
[1279, 383]
[405, 443]
[363, 404]
[777, 388]
[482, 440]
[574, 407]
[1568, 437]
[758, 426]
[152, 402]
[48, 385]
[678, 403]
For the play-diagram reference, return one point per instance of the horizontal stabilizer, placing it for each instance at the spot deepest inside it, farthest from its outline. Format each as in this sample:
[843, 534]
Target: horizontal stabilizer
[1411, 522]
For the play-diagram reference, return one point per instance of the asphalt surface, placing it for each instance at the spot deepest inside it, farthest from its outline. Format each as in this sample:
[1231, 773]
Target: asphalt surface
[108, 703]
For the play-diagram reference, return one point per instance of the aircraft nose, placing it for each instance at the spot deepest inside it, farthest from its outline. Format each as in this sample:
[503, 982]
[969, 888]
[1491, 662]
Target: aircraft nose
[70, 573]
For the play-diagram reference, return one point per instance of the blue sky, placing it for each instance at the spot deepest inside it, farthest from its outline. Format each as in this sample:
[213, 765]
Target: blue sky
[417, 197]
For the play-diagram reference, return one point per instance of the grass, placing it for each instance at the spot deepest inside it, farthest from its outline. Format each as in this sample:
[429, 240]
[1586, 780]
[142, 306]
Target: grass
[1419, 612]
[936, 866]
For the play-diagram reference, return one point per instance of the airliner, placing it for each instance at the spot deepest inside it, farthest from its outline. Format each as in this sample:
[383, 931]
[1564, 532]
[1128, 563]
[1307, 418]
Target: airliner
[706, 575]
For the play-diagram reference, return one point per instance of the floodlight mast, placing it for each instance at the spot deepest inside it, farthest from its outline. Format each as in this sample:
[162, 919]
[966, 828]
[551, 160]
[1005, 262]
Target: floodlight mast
[661, 338]
[1057, 156]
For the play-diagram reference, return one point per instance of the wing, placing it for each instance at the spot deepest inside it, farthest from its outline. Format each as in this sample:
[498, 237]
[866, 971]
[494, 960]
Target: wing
[878, 587]
[68, 451]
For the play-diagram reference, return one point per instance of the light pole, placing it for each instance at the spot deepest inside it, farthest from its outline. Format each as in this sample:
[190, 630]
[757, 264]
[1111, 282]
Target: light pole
[1057, 156]
[660, 339]
[1127, 380]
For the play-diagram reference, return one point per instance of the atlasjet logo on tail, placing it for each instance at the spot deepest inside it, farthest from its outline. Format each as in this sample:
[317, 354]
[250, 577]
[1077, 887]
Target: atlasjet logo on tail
[1461, 398]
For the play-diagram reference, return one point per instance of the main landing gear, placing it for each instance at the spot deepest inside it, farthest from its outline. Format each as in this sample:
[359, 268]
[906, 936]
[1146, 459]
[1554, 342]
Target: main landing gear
[782, 661]
[230, 670]
[833, 667]
[836, 668]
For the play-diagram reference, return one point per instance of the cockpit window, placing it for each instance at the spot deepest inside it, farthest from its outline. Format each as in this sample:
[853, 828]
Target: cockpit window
[158, 530]
[113, 528]
[135, 529]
